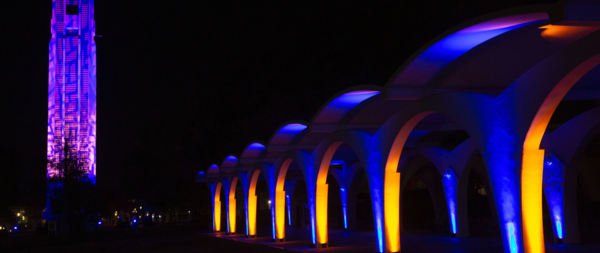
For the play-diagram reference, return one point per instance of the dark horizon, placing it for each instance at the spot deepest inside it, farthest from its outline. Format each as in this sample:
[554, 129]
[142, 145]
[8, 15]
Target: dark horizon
[183, 85]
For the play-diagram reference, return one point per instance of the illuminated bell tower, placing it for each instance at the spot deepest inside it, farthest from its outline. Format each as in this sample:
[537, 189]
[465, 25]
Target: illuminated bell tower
[72, 81]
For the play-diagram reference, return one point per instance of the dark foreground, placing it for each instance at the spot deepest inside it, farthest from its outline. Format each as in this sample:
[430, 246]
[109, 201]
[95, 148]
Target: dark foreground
[194, 238]
[183, 238]
[358, 242]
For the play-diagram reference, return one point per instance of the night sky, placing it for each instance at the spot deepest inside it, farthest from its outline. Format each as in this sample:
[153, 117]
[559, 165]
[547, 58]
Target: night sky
[183, 84]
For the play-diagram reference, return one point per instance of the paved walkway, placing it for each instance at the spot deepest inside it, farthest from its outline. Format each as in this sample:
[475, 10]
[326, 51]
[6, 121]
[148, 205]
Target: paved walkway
[342, 241]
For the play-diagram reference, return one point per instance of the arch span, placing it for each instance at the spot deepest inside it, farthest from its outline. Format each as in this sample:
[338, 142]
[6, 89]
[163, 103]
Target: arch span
[216, 201]
[230, 187]
[276, 178]
[360, 144]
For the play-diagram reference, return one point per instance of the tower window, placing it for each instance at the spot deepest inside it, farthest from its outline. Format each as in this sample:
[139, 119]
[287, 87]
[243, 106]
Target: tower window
[72, 10]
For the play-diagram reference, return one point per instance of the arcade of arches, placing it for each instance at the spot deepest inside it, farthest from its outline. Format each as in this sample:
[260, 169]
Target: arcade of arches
[491, 129]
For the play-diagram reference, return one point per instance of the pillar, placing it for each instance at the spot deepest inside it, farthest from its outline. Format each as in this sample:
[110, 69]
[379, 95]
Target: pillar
[215, 189]
[450, 182]
[502, 159]
[554, 190]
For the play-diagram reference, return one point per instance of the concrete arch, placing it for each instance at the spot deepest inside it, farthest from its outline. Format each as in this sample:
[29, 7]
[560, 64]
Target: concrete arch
[564, 149]
[417, 165]
[290, 188]
[338, 106]
[506, 127]
[452, 165]
[473, 165]
[287, 133]
[392, 136]
[215, 189]
[405, 82]
[347, 178]
[230, 184]
[321, 158]
[251, 155]
[249, 181]
[553, 78]
[276, 179]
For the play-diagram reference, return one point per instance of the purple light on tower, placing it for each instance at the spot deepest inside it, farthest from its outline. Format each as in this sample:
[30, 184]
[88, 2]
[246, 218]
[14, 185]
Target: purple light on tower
[72, 81]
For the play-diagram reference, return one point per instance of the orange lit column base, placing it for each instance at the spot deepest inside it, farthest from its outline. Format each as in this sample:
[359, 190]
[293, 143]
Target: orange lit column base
[321, 216]
[279, 216]
[251, 209]
[217, 216]
[532, 175]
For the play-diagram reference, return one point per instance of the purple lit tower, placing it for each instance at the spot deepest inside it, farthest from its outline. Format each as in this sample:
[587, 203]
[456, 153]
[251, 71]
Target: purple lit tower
[72, 81]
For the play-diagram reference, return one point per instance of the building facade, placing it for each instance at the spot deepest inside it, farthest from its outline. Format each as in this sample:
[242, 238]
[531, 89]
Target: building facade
[72, 81]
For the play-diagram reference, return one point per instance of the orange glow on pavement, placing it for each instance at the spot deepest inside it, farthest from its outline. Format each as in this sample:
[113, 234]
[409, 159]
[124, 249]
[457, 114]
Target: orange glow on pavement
[533, 158]
[391, 202]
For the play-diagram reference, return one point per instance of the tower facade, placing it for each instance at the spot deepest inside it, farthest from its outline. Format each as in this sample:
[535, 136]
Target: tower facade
[72, 81]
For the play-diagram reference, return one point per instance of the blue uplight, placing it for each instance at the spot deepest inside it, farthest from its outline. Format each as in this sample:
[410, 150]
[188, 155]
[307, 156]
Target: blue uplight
[453, 219]
[336, 162]
[228, 218]
[379, 235]
[273, 224]
[134, 221]
[312, 221]
[559, 230]
[345, 219]
[288, 207]
[450, 182]
[512, 237]
[15, 227]
[99, 222]
[554, 192]
[344, 204]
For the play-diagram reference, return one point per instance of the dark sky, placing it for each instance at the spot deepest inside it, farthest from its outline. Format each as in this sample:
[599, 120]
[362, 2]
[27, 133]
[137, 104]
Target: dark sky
[182, 84]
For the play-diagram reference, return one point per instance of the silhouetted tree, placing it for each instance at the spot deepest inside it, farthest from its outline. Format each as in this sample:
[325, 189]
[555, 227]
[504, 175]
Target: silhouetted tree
[71, 191]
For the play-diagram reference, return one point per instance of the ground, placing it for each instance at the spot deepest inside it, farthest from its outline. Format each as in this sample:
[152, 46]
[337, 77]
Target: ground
[195, 238]
[182, 238]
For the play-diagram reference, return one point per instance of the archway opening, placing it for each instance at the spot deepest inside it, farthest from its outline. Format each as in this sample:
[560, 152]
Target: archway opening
[335, 217]
[533, 155]
[300, 204]
[337, 160]
[424, 208]
[588, 192]
[240, 209]
[223, 209]
[410, 134]
[364, 211]
[418, 214]
[482, 218]
[572, 132]
[263, 209]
